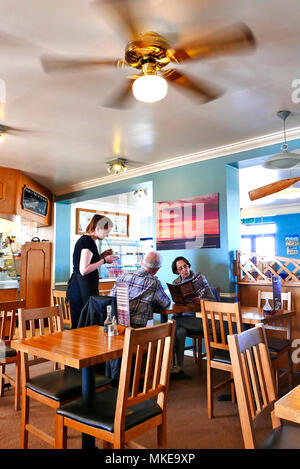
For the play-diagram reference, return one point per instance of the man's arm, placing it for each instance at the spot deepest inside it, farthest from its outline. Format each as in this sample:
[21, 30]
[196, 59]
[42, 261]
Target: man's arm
[161, 299]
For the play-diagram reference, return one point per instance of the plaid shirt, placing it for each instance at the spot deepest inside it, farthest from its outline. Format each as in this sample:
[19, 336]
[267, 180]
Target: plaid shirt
[146, 295]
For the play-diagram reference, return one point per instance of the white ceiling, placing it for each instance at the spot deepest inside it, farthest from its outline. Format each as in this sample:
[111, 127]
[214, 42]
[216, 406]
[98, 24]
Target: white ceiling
[73, 135]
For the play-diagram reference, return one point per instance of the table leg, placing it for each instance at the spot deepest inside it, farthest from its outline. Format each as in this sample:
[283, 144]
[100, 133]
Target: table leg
[88, 389]
[163, 318]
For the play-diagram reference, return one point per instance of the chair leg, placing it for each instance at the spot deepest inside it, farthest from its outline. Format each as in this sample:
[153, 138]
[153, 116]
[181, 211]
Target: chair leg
[209, 392]
[290, 371]
[199, 342]
[195, 349]
[232, 389]
[17, 383]
[24, 419]
[2, 370]
[61, 433]
[162, 435]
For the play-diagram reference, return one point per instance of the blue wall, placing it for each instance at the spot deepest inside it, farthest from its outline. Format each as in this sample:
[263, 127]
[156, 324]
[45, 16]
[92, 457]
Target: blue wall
[286, 225]
[62, 242]
[214, 175]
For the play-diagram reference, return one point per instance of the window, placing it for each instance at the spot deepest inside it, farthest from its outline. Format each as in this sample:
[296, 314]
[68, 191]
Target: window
[259, 238]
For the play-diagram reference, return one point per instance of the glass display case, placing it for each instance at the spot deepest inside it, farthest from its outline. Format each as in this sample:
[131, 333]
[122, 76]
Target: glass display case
[8, 259]
[129, 254]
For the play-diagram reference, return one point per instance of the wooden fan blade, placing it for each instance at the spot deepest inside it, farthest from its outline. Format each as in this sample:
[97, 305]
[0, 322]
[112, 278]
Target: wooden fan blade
[204, 91]
[237, 38]
[272, 188]
[5, 129]
[60, 64]
[123, 14]
[123, 99]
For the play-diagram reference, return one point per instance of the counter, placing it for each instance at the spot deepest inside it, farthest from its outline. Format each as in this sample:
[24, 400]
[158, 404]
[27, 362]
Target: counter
[9, 290]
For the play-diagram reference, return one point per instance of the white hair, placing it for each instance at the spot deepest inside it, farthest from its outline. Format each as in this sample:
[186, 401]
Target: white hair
[152, 260]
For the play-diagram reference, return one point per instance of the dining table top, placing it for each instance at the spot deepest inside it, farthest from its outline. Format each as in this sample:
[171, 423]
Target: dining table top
[250, 314]
[78, 348]
[288, 406]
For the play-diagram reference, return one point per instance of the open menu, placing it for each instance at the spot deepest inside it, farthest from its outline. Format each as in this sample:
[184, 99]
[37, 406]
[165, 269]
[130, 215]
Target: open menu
[184, 292]
[123, 304]
[276, 286]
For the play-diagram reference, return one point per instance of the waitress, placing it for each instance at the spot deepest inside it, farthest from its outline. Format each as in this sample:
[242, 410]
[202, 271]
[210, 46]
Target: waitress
[84, 281]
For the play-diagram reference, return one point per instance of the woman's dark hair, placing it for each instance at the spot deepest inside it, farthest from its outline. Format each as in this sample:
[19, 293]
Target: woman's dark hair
[105, 222]
[180, 258]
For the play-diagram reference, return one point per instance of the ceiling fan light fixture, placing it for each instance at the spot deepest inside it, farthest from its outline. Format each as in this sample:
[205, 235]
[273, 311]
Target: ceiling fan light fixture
[284, 160]
[149, 88]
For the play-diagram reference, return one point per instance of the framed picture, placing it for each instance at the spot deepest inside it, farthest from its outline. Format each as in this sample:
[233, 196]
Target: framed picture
[83, 218]
[189, 223]
[120, 222]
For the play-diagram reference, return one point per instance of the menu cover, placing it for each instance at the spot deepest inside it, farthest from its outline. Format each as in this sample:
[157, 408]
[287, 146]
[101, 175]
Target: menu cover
[123, 304]
[184, 292]
[276, 284]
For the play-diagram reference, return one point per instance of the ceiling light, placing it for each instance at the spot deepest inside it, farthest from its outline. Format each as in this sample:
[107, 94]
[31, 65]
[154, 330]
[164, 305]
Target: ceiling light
[285, 159]
[149, 88]
[290, 193]
[117, 166]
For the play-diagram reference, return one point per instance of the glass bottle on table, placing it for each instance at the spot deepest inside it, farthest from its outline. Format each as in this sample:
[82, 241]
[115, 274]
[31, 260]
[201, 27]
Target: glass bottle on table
[108, 320]
[267, 310]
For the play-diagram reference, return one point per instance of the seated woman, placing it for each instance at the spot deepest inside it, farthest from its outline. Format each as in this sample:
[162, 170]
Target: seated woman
[186, 322]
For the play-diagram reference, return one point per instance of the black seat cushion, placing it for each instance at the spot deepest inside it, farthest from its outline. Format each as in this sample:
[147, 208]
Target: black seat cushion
[284, 437]
[99, 411]
[222, 356]
[276, 344]
[62, 384]
[7, 352]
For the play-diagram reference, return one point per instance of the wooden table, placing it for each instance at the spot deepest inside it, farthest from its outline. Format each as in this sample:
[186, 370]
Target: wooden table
[288, 406]
[78, 348]
[250, 314]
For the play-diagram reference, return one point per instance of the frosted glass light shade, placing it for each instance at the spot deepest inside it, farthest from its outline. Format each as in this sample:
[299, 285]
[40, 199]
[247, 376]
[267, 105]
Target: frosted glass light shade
[149, 88]
[284, 160]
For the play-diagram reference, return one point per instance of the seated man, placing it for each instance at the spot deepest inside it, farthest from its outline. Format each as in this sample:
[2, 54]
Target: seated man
[146, 294]
[186, 322]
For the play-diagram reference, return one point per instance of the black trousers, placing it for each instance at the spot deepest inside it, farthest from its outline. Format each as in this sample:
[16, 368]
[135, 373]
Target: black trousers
[79, 290]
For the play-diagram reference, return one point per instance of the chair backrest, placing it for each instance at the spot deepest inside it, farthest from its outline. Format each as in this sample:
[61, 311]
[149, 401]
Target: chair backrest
[219, 319]
[49, 320]
[253, 379]
[156, 344]
[60, 298]
[286, 299]
[8, 317]
[273, 324]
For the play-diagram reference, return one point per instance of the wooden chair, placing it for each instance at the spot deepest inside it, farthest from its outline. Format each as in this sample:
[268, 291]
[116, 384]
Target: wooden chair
[279, 346]
[197, 339]
[8, 318]
[59, 298]
[218, 320]
[255, 391]
[53, 388]
[118, 416]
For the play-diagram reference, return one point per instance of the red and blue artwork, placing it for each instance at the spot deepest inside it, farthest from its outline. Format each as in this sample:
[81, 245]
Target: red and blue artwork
[189, 223]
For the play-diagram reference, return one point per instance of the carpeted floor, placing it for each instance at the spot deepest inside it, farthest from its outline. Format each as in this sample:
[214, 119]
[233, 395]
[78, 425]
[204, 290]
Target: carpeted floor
[188, 425]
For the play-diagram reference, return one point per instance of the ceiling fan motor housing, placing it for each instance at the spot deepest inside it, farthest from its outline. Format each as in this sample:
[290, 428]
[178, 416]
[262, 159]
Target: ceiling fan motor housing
[150, 47]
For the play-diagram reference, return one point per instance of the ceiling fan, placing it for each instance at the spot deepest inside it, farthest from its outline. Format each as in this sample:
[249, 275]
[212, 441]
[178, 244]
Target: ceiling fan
[284, 160]
[5, 129]
[150, 53]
